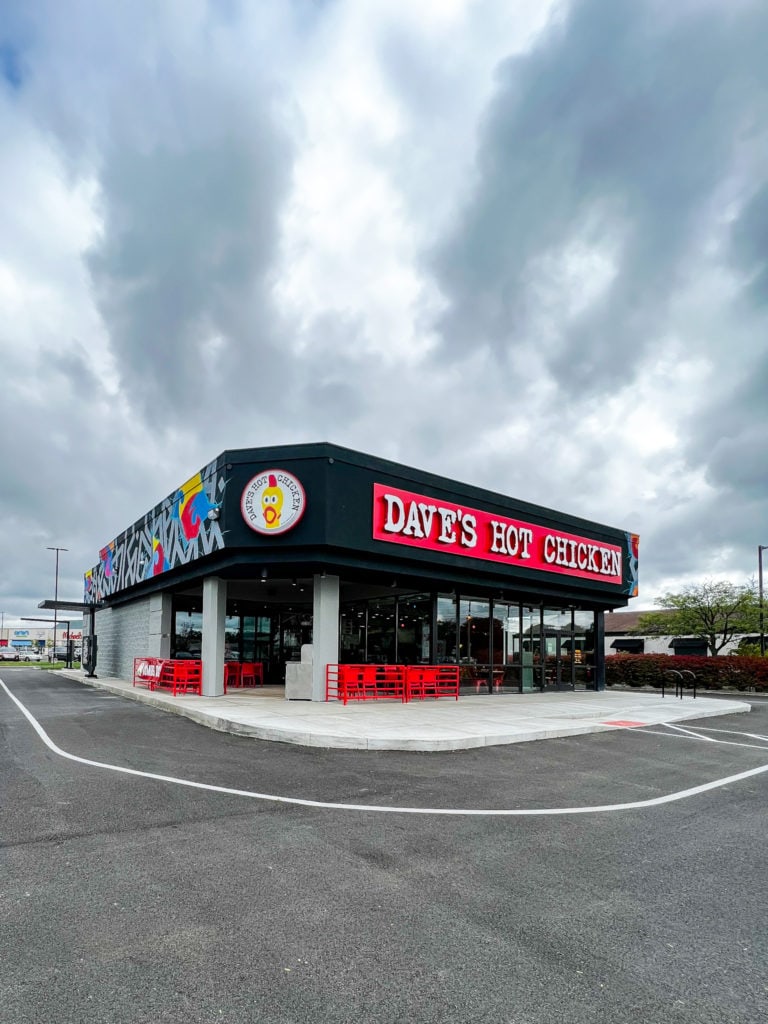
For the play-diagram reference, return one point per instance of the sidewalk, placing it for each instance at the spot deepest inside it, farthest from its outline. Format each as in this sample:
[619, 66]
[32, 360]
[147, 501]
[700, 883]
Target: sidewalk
[473, 721]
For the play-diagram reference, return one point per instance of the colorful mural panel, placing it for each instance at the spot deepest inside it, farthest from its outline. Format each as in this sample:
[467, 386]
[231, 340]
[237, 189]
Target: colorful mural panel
[105, 557]
[159, 562]
[633, 544]
[191, 507]
[175, 532]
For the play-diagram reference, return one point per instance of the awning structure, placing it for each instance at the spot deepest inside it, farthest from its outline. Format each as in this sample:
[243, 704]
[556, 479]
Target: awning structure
[63, 606]
[633, 645]
[688, 645]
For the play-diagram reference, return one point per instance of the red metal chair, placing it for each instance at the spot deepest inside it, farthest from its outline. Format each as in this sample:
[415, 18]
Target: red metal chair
[181, 677]
[252, 673]
[232, 674]
[481, 679]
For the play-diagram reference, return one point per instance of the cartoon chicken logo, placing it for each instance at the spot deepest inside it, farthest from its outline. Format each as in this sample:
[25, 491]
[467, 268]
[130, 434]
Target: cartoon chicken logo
[272, 503]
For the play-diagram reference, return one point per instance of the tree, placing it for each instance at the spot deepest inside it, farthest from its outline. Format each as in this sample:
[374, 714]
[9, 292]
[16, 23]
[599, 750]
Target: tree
[715, 612]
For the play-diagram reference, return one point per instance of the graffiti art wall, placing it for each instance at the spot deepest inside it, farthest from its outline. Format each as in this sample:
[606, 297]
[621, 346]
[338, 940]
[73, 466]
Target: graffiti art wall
[183, 527]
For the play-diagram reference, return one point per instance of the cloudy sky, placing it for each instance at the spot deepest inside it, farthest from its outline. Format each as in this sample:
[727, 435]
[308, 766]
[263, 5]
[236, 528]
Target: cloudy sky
[521, 244]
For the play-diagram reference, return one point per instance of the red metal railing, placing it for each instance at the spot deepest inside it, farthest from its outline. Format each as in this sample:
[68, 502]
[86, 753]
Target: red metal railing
[146, 671]
[422, 681]
[178, 676]
[390, 682]
[364, 682]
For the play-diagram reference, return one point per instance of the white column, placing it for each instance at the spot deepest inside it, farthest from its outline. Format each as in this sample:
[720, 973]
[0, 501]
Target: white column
[325, 631]
[214, 611]
[160, 626]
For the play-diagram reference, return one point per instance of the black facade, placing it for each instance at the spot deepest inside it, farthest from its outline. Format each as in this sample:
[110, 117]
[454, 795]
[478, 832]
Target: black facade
[201, 530]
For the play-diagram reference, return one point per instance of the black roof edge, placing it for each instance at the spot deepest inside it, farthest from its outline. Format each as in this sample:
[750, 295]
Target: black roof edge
[327, 449]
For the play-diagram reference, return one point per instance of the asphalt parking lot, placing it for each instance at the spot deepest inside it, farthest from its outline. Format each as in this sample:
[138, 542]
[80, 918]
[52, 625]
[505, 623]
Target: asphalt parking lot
[128, 899]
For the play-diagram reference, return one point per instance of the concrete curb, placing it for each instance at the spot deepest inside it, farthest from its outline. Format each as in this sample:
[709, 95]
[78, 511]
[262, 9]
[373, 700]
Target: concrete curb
[455, 737]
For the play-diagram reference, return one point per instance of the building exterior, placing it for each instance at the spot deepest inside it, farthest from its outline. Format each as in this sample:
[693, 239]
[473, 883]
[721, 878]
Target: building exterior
[39, 639]
[24, 639]
[621, 637]
[266, 551]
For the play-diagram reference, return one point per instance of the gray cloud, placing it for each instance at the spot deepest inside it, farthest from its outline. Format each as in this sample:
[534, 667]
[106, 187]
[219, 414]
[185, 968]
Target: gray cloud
[622, 125]
[728, 432]
[628, 131]
[750, 246]
[181, 270]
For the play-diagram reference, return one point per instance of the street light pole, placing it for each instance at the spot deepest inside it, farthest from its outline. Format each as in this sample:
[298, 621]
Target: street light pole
[56, 598]
[760, 549]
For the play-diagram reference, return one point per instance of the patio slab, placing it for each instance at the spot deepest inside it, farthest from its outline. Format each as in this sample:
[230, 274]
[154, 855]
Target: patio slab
[472, 721]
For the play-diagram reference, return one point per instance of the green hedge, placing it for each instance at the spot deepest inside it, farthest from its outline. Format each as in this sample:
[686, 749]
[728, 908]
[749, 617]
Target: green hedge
[731, 672]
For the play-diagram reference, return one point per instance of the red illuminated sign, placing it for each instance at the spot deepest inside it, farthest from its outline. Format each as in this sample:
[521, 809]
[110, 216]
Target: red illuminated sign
[401, 517]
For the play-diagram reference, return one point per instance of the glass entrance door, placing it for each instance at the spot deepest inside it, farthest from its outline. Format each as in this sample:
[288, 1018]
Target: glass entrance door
[272, 637]
[583, 650]
[532, 656]
[557, 637]
[512, 672]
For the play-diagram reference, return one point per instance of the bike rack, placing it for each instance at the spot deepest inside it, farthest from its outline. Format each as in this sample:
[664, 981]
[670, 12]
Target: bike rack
[679, 675]
[688, 672]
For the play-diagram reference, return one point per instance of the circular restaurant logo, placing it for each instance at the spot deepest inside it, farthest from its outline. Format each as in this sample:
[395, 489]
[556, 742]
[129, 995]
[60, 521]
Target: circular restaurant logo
[273, 502]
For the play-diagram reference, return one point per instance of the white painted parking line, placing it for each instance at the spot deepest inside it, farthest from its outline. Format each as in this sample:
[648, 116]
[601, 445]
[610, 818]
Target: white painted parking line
[688, 734]
[730, 732]
[683, 794]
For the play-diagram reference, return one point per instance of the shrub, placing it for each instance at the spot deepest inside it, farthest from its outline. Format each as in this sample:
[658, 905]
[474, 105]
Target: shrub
[734, 672]
[752, 650]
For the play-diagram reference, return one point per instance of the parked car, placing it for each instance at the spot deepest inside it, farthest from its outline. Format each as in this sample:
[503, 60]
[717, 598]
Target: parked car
[9, 654]
[32, 656]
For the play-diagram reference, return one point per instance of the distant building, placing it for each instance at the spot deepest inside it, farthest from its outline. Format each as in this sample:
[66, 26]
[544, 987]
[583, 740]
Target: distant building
[621, 638]
[34, 638]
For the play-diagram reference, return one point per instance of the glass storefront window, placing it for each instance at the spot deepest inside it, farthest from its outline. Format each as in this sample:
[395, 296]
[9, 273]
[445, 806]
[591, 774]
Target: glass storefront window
[584, 649]
[296, 629]
[266, 644]
[507, 647]
[567, 649]
[187, 635]
[353, 633]
[516, 648]
[474, 640]
[469, 646]
[232, 638]
[382, 639]
[531, 653]
[414, 627]
[552, 619]
[249, 638]
[447, 647]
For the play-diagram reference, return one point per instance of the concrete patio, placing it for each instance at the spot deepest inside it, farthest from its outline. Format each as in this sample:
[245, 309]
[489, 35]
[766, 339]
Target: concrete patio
[472, 721]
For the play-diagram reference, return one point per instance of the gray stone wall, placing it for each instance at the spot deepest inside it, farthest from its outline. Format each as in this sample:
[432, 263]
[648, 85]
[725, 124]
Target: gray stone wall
[123, 634]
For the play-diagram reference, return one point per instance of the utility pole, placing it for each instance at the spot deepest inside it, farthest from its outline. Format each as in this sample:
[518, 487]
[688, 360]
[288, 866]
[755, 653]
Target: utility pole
[760, 549]
[56, 598]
